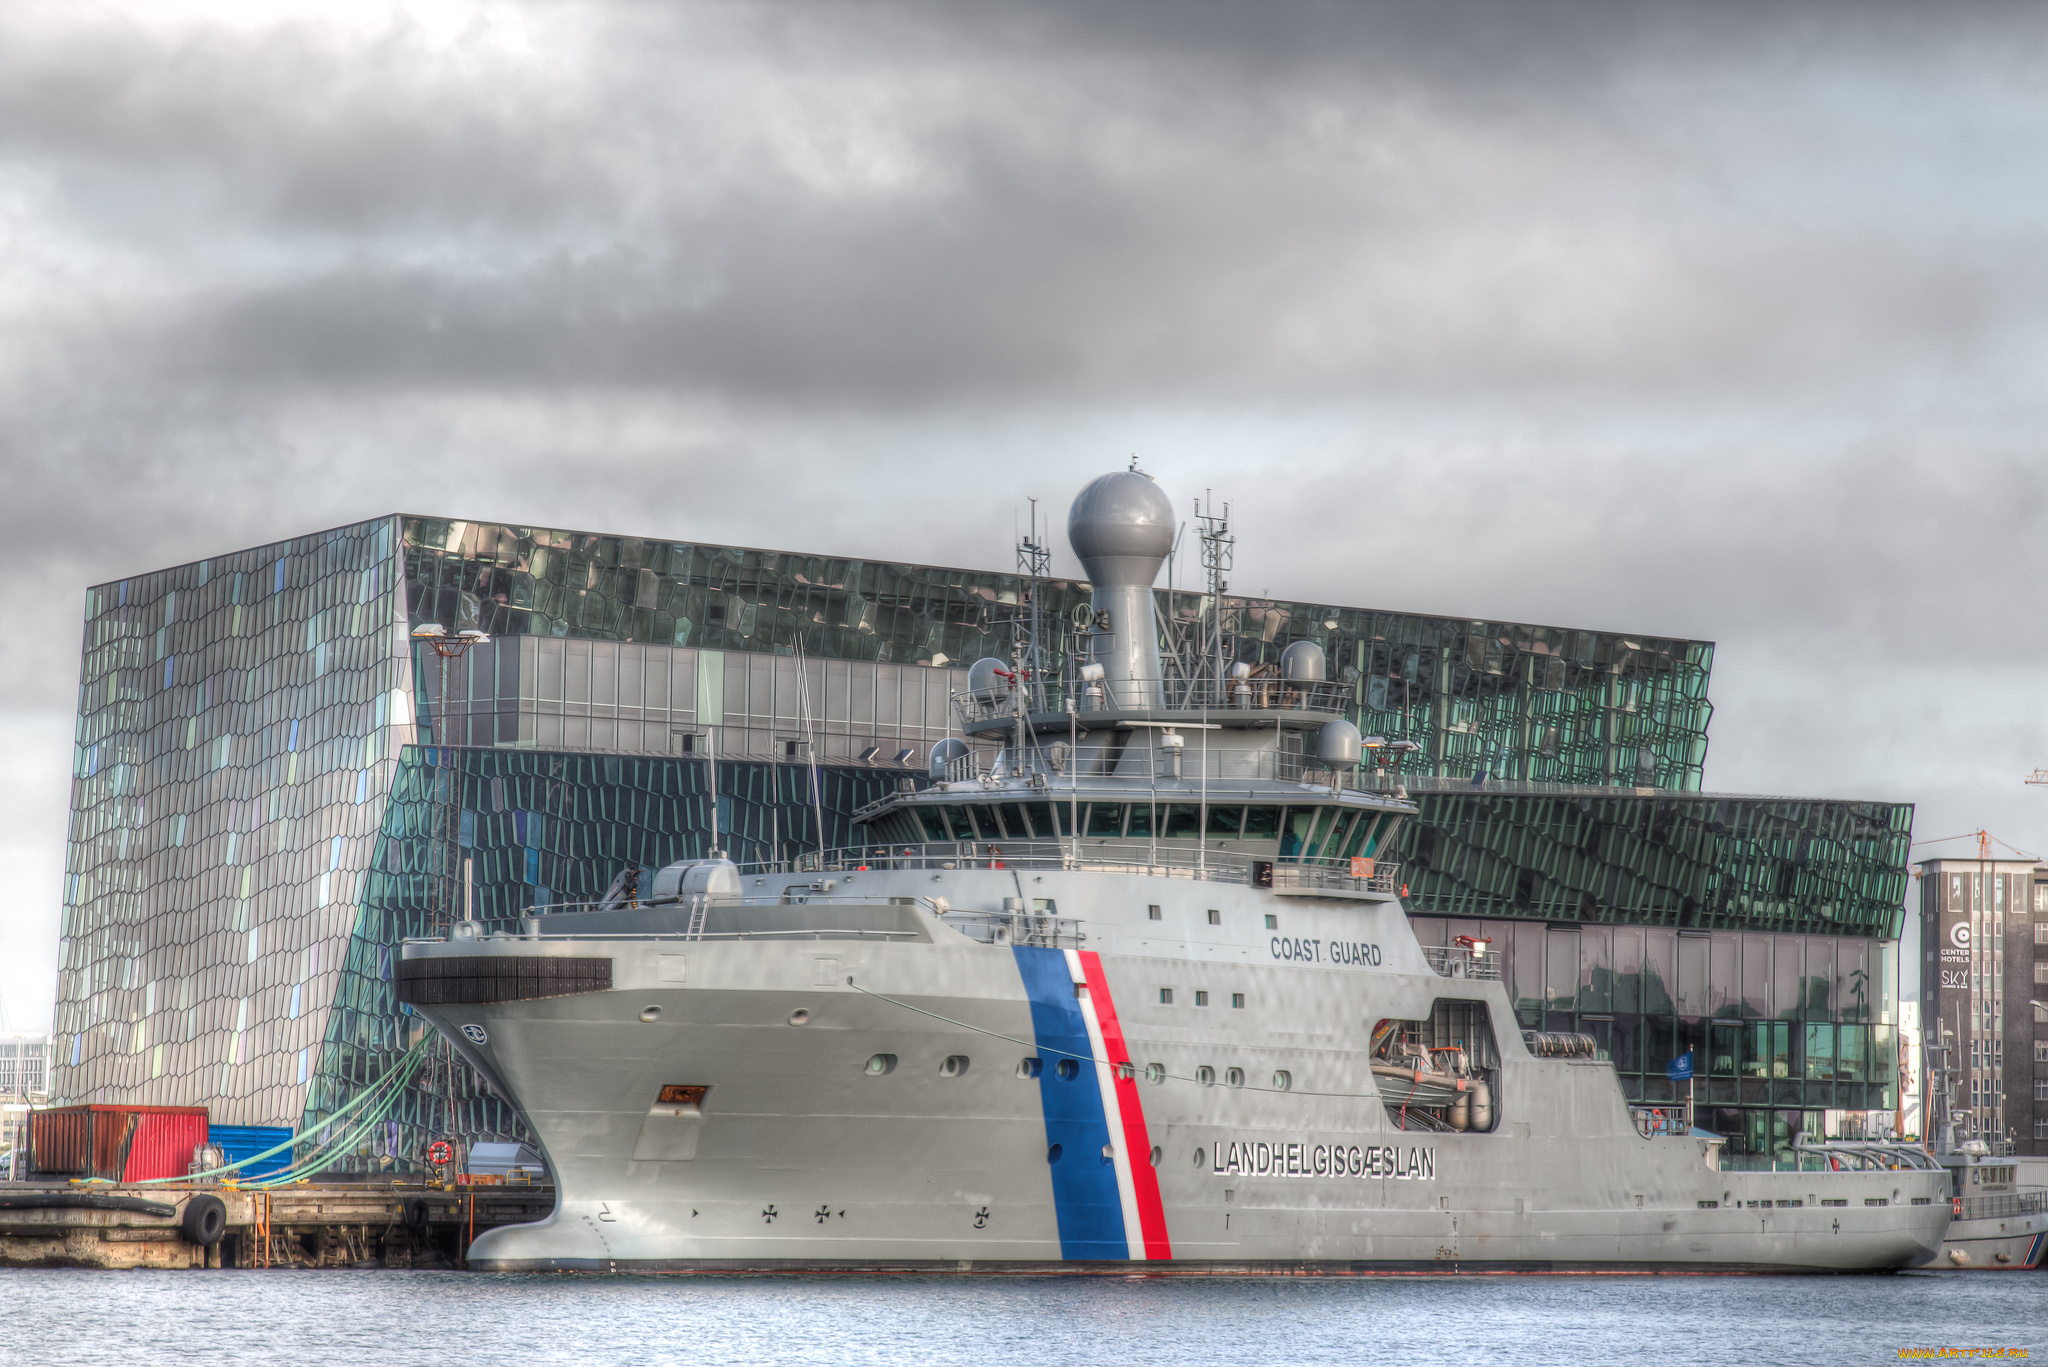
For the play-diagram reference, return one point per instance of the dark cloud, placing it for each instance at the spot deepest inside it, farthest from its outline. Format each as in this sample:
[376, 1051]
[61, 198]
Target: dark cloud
[1691, 319]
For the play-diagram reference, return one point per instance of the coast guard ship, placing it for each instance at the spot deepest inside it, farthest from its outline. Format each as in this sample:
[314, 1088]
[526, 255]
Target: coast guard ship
[1127, 985]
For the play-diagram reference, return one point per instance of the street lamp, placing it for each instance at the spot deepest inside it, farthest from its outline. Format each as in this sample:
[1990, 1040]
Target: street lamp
[446, 646]
[446, 827]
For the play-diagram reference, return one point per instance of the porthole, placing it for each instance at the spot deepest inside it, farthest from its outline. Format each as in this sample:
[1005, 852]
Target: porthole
[1052, 1155]
[1206, 1075]
[1028, 1068]
[1282, 1080]
[954, 1066]
[1234, 1077]
[1155, 1155]
[1200, 1158]
[1155, 1072]
[650, 1014]
[1126, 1071]
[880, 1064]
[1068, 1070]
[799, 1017]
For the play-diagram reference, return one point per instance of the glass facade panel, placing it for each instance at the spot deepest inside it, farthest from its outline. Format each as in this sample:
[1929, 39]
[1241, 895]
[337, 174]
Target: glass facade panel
[1688, 862]
[1561, 972]
[1518, 701]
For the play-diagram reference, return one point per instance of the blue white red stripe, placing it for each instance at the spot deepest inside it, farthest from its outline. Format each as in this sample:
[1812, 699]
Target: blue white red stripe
[1105, 1192]
[1137, 1180]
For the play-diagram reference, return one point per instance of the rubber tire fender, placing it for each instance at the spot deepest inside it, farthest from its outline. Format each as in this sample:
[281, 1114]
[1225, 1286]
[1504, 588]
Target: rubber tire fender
[205, 1220]
[415, 1214]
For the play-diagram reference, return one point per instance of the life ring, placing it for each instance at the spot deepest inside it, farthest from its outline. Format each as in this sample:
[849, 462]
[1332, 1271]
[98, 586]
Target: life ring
[205, 1220]
[440, 1153]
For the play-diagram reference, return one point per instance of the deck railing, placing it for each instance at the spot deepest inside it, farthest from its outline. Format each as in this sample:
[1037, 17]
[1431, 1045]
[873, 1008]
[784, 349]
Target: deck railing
[1462, 963]
[1220, 768]
[1167, 861]
[2005, 1206]
[1326, 697]
[1655, 1121]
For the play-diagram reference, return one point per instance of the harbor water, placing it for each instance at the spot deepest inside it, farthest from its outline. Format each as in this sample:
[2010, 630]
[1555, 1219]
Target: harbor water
[426, 1319]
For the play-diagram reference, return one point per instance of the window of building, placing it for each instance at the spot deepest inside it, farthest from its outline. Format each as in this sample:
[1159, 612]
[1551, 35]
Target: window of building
[1237, 1000]
[2041, 1089]
[2041, 932]
[2041, 971]
[1215, 917]
[2041, 1051]
[2041, 1129]
[1166, 996]
[1201, 998]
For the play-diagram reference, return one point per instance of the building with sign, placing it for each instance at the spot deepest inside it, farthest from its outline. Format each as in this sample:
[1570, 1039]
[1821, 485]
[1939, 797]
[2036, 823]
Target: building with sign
[269, 797]
[1984, 962]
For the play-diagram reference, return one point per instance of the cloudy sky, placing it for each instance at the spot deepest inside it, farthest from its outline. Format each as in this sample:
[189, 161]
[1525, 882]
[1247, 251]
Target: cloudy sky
[1700, 320]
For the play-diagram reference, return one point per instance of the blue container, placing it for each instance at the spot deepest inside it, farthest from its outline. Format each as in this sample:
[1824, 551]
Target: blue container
[240, 1141]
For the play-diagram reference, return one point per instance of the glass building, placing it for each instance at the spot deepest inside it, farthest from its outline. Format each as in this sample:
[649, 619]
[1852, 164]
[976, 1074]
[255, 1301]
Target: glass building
[262, 758]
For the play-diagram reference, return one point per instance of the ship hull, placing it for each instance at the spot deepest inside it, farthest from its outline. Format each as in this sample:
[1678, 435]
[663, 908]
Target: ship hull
[847, 1141]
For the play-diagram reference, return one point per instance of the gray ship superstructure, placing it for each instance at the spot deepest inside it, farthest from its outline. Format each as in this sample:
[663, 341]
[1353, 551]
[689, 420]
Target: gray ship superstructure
[1127, 983]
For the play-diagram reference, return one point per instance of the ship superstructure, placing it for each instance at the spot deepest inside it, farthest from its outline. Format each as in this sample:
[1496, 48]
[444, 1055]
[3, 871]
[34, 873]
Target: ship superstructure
[1128, 981]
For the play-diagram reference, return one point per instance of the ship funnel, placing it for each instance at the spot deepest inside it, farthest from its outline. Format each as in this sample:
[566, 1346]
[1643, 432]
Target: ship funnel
[1121, 527]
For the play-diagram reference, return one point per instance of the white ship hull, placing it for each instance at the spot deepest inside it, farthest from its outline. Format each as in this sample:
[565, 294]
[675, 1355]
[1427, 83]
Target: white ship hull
[797, 1156]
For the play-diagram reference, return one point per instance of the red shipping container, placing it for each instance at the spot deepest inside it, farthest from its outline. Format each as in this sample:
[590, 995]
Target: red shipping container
[163, 1142]
[101, 1141]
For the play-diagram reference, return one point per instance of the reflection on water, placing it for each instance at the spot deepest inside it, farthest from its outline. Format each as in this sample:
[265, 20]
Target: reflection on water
[403, 1319]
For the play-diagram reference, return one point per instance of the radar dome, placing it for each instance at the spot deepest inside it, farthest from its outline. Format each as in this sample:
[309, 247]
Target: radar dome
[1121, 527]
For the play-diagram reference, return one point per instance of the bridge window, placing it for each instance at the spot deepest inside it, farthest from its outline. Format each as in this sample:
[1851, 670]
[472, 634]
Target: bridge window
[1261, 823]
[1224, 821]
[1105, 820]
[1181, 821]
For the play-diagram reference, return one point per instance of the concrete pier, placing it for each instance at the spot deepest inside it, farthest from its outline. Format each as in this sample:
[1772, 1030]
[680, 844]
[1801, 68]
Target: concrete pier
[349, 1224]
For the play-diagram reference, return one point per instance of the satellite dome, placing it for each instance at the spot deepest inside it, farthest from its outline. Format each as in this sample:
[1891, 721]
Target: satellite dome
[1121, 527]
